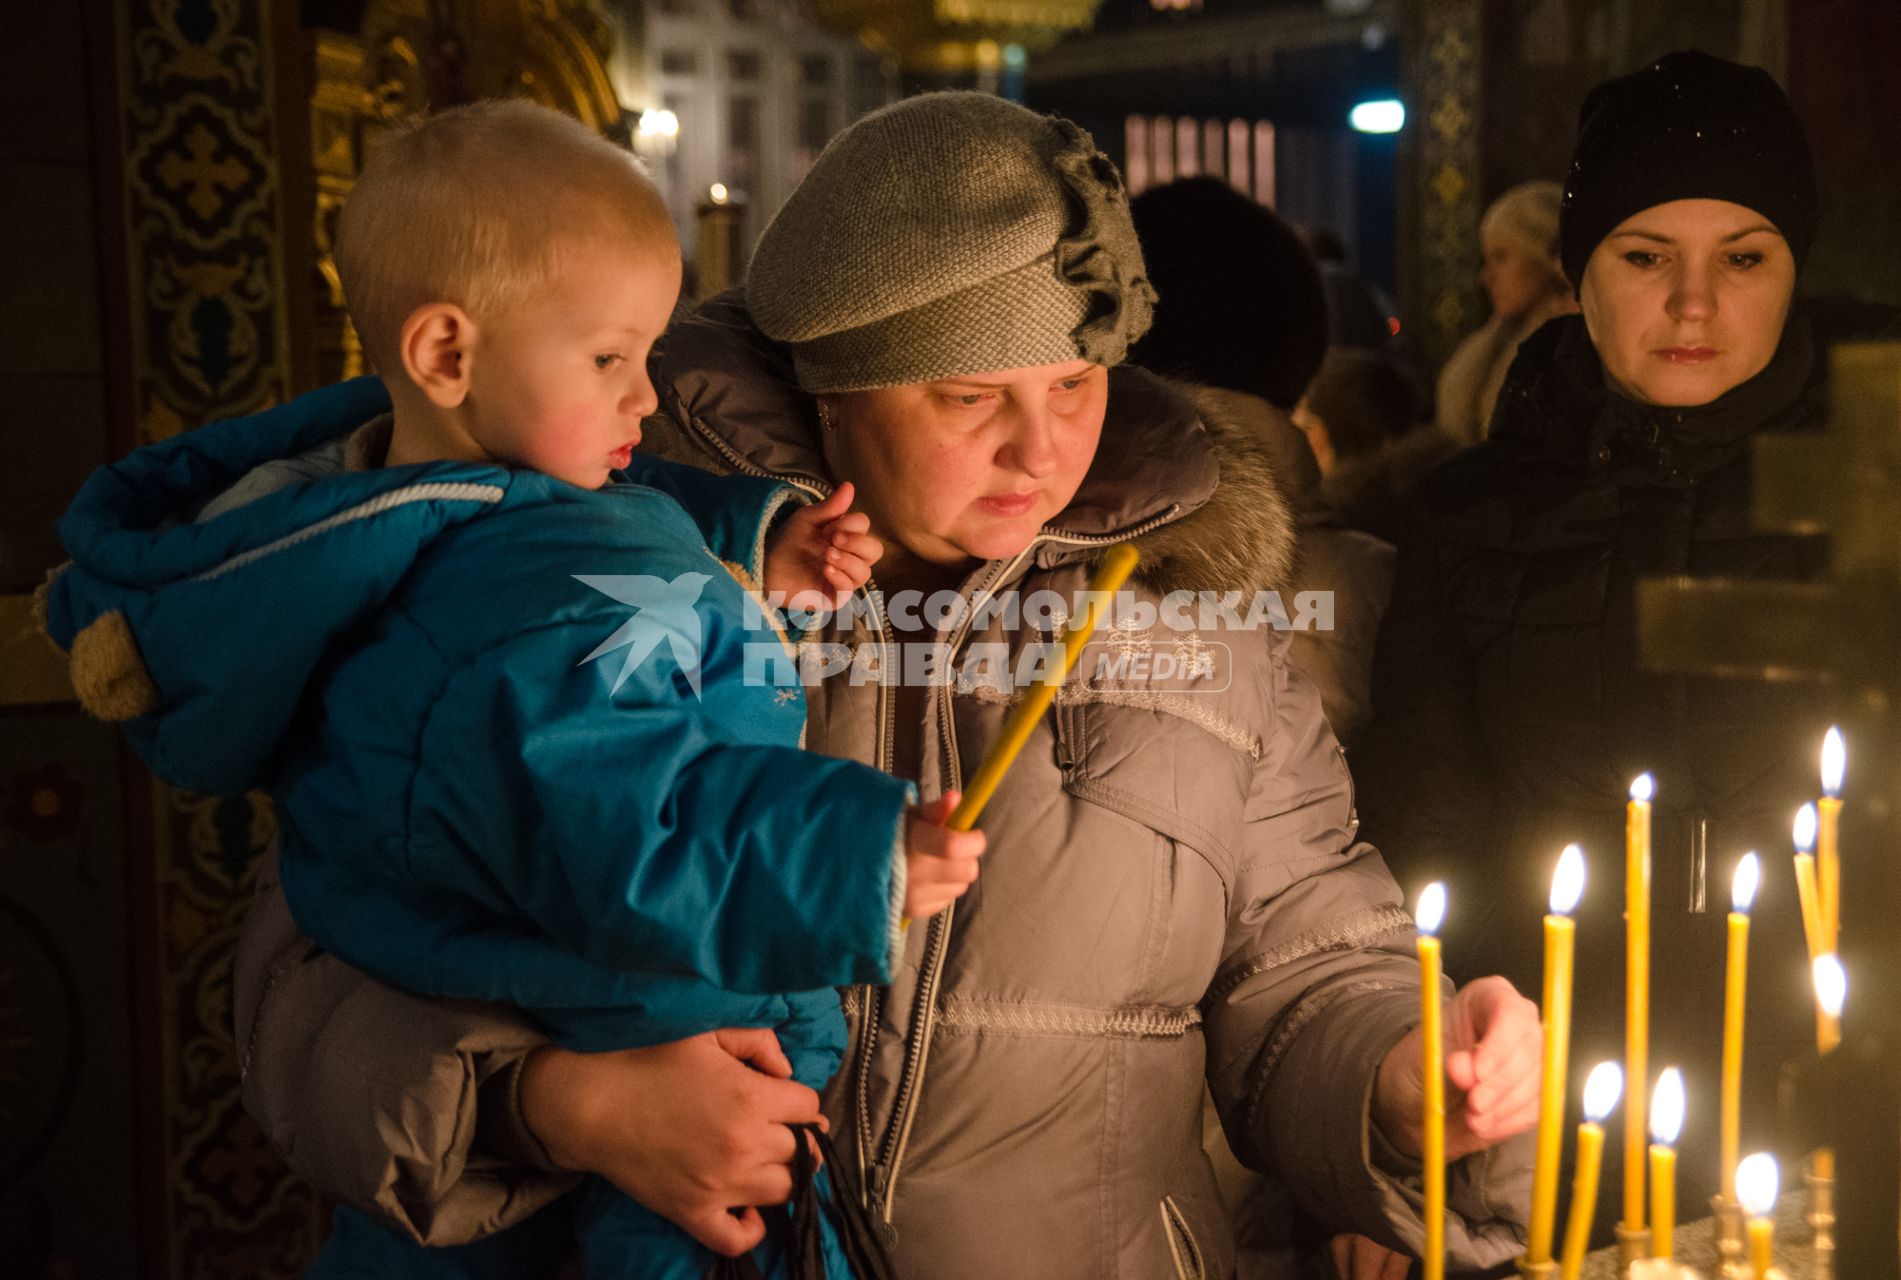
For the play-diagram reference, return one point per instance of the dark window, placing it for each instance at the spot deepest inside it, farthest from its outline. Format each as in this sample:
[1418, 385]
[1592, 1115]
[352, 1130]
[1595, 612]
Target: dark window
[742, 143]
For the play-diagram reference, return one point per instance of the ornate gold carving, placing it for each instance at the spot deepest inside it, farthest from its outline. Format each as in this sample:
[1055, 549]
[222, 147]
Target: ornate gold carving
[931, 36]
[202, 211]
[414, 56]
[1442, 248]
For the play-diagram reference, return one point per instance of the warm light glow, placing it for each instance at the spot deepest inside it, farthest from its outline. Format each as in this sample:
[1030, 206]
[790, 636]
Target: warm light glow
[1834, 762]
[1642, 788]
[1742, 886]
[1805, 829]
[1757, 1180]
[1602, 1089]
[1666, 1108]
[1432, 908]
[1831, 984]
[656, 123]
[1385, 115]
[718, 193]
[1567, 882]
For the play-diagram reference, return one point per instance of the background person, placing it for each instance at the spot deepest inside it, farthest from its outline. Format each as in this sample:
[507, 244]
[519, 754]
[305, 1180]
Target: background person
[1526, 286]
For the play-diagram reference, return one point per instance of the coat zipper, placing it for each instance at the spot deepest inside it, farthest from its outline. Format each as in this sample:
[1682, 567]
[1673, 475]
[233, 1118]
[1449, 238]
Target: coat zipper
[871, 1002]
[917, 1047]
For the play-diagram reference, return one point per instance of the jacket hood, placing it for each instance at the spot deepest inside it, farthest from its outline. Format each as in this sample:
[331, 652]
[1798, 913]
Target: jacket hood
[203, 637]
[1555, 402]
[1196, 491]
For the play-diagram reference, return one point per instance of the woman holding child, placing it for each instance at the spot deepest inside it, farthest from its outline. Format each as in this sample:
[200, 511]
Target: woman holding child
[1173, 893]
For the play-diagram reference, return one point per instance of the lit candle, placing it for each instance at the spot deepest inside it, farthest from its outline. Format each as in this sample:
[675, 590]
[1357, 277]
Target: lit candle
[1567, 885]
[1430, 914]
[1805, 887]
[1756, 1180]
[1601, 1089]
[1828, 859]
[1636, 991]
[1742, 895]
[1666, 1122]
[1831, 992]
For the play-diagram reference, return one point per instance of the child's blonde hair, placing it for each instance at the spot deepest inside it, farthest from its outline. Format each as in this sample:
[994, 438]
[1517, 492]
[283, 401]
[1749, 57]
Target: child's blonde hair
[475, 206]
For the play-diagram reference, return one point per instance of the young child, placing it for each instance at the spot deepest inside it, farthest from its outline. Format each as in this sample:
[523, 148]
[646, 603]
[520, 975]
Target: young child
[403, 605]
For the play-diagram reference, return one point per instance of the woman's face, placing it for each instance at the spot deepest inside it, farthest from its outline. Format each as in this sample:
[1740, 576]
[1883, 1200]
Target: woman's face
[1514, 281]
[1686, 300]
[969, 467]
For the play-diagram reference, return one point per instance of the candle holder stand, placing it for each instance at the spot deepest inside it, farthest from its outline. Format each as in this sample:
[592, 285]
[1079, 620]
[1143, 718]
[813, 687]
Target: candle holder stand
[1537, 1270]
[1821, 1220]
[1633, 1245]
[1734, 1258]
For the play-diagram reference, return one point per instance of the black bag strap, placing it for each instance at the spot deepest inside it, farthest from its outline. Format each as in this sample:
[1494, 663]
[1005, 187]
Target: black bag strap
[797, 1225]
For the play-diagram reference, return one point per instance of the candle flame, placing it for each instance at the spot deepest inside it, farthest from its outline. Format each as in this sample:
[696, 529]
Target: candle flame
[1834, 762]
[718, 193]
[1666, 1108]
[1602, 1089]
[1757, 1180]
[1831, 984]
[1642, 788]
[1567, 882]
[1742, 886]
[1431, 912]
[1805, 829]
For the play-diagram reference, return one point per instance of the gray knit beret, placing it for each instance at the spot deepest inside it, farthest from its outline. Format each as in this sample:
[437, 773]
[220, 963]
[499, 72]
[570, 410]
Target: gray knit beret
[948, 234]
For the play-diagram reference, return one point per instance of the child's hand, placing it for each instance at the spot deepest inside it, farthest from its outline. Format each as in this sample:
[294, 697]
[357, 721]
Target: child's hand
[821, 554]
[940, 864]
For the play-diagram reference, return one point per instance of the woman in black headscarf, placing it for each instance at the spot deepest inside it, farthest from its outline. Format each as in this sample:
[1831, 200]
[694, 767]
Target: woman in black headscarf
[1512, 711]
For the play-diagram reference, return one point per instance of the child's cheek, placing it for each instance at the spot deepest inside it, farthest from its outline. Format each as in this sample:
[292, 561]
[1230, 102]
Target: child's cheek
[575, 430]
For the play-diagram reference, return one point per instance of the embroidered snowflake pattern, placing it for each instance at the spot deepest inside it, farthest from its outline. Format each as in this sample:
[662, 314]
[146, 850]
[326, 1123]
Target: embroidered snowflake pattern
[1197, 658]
[1127, 636]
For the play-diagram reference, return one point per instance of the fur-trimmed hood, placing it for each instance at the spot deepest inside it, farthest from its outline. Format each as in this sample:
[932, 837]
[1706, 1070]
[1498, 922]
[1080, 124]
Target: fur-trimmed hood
[1191, 484]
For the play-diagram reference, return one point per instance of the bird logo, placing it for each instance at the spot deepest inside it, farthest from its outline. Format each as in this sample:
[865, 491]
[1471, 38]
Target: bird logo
[663, 611]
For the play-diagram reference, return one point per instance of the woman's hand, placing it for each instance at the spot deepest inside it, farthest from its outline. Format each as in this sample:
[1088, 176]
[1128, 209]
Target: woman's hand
[695, 1130]
[1494, 1049]
[1358, 1258]
[821, 554]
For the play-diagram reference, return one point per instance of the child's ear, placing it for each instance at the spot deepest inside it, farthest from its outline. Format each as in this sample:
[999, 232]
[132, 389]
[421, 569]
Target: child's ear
[437, 350]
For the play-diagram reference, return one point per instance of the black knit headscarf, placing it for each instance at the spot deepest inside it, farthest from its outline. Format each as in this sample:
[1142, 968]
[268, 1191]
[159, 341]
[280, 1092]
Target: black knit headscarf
[1690, 126]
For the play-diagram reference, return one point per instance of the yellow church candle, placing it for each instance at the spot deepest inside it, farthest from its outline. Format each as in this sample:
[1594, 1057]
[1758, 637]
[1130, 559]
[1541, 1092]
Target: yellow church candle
[1742, 895]
[1666, 1124]
[1567, 885]
[1114, 570]
[1636, 991]
[1601, 1089]
[1430, 914]
[1756, 1185]
[1828, 858]
[1805, 883]
[1831, 992]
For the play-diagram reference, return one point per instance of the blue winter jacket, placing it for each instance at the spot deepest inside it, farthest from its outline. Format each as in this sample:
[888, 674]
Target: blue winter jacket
[509, 725]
